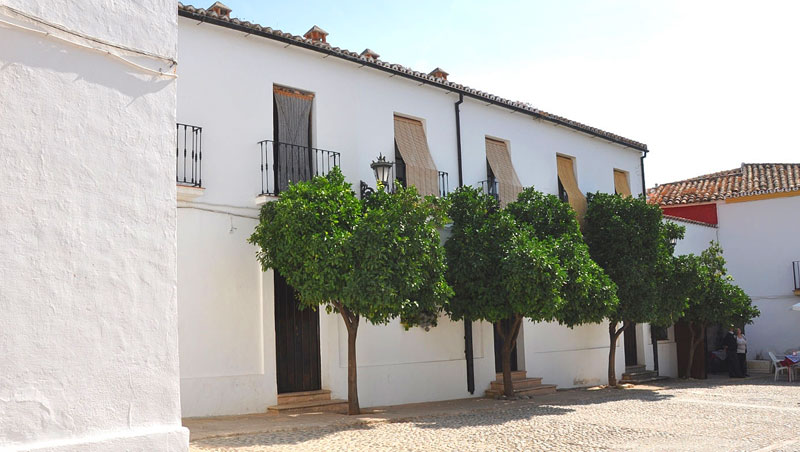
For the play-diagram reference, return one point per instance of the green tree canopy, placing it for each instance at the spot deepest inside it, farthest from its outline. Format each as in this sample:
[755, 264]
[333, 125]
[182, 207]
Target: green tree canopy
[525, 261]
[376, 259]
[627, 237]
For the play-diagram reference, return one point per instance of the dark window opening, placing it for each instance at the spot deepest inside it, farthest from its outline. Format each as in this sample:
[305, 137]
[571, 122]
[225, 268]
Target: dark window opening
[562, 193]
[659, 333]
[399, 167]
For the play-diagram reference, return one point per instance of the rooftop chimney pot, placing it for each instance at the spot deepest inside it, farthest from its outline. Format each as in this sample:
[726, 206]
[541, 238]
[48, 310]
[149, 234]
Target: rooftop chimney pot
[220, 9]
[316, 34]
[439, 73]
[369, 53]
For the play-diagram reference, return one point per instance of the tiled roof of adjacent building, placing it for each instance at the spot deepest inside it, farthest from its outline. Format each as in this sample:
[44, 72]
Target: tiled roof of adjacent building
[747, 180]
[686, 220]
[212, 17]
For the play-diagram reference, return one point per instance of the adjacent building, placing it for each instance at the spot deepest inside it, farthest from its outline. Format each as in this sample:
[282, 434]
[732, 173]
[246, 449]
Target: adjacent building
[258, 108]
[754, 213]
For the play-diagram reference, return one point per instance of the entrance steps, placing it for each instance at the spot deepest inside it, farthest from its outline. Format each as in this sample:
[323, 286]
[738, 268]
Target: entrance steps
[639, 374]
[523, 386]
[308, 402]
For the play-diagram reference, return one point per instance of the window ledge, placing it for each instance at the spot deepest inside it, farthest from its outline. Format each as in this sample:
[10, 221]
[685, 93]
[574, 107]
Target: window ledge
[187, 193]
[263, 199]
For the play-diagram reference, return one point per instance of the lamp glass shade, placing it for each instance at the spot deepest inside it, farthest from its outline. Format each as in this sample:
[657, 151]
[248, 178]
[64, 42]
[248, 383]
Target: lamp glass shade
[382, 169]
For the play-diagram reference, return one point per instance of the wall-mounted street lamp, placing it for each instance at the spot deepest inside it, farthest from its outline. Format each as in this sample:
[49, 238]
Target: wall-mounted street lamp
[383, 172]
[382, 169]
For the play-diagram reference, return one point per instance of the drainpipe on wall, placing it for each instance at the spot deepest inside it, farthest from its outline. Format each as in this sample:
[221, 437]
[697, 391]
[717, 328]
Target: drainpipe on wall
[653, 339]
[467, 323]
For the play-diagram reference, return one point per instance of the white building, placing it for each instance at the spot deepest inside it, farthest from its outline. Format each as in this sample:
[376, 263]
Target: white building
[754, 213]
[242, 84]
[88, 285]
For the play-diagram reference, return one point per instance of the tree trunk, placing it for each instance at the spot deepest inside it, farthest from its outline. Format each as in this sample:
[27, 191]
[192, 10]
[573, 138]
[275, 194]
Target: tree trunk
[509, 341]
[613, 335]
[351, 322]
[693, 343]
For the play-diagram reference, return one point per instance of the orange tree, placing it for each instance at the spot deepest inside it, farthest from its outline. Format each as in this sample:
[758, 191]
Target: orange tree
[375, 259]
[712, 296]
[525, 261]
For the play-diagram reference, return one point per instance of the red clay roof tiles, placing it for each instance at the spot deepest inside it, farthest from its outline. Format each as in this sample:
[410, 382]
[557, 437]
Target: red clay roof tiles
[750, 179]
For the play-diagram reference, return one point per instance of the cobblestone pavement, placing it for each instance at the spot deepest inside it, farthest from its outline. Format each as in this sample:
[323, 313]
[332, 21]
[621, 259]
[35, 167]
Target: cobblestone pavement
[756, 414]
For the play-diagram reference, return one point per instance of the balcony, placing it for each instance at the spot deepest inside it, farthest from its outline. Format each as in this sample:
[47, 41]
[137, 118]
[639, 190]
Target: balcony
[796, 275]
[490, 187]
[283, 163]
[188, 161]
[399, 174]
[188, 155]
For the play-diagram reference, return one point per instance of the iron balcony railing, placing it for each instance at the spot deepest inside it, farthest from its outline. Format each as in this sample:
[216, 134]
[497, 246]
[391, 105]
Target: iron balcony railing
[796, 274]
[283, 163]
[490, 187]
[189, 155]
[444, 184]
[443, 180]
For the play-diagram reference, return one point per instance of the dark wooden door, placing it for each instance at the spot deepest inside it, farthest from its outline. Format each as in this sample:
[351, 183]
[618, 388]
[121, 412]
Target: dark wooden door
[498, 350]
[630, 345]
[683, 341]
[296, 342]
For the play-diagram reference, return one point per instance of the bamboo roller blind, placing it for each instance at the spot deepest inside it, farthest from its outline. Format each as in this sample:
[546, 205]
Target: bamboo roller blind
[566, 174]
[499, 159]
[409, 136]
[621, 184]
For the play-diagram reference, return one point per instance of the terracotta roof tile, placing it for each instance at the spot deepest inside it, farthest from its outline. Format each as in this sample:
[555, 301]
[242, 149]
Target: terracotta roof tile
[204, 15]
[747, 180]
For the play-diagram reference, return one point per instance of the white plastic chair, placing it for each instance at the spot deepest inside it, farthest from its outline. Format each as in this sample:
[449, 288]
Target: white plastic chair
[779, 367]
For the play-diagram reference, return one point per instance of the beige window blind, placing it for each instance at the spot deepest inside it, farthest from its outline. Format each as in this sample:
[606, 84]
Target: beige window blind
[499, 159]
[566, 174]
[409, 136]
[621, 184]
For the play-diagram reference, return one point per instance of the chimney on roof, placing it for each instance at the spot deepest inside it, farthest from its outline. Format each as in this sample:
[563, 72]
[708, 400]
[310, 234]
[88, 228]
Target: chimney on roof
[220, 9]
[369, 53]
[316, 34]
[439, 73]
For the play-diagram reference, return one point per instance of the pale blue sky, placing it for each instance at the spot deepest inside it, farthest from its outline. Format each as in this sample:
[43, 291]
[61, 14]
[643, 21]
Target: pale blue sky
[706, 84]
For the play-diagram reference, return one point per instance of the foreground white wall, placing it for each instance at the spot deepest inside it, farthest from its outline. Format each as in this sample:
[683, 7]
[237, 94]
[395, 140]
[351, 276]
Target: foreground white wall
[88, 334]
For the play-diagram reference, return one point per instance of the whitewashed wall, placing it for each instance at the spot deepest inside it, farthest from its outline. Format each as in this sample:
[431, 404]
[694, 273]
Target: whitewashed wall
[696, 239]
[760, 241]
[226, 88]
[88, 334]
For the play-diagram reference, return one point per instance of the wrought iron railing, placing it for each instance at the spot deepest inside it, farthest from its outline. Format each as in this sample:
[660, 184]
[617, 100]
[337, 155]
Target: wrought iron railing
[490, 187]
[444, 184]
[189, 155]
[283, 163]
[796, 274]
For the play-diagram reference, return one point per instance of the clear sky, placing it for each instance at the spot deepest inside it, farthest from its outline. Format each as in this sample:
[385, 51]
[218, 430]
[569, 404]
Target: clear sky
[706, 84]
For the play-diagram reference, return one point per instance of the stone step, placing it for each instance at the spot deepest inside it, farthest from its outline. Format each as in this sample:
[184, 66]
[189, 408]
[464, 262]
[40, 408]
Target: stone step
[643, 374]
[636, 368]
[515, 375]
[518, 384]
[533, 391]
[303, 396]
[312, 406]
[645, 379]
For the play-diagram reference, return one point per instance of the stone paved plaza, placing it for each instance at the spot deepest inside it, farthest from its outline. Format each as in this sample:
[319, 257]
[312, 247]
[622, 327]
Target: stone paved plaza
[718, 414]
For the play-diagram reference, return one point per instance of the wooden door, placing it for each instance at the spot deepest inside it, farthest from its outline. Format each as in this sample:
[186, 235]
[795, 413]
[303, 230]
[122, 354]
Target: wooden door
[296, 342]
[683, 340]
[498, 349]
[631, 358]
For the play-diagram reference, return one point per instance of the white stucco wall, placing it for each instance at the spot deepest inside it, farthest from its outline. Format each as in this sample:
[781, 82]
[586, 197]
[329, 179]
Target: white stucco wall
[696, 239]
[352, 114]
[88, 335]
[760, 241]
